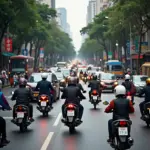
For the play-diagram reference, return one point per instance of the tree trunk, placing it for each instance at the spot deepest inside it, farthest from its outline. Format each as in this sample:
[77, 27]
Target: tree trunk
[139, 54]
[31, 46]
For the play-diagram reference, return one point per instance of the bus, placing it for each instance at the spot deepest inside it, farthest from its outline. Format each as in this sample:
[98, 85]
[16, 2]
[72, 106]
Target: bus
[62, 64]
[20, 64]
[114, 67]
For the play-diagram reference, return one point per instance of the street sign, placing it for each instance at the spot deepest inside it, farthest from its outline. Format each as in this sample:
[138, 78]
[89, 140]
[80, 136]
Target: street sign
[8, 44]
[110, 55]
[41, 52]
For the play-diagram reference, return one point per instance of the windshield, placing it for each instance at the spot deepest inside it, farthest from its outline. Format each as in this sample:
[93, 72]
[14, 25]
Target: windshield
[59, 75]
[115, 67]
[83, 69]
[18, 64]
[36, 78]
[66, 72]
[139, 78]
[107, 77]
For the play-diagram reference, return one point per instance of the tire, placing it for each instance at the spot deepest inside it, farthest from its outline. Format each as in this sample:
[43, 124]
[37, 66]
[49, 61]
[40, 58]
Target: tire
[94, 106]
[45, 114]
[71, 130]
[23, 127]
[148, 124]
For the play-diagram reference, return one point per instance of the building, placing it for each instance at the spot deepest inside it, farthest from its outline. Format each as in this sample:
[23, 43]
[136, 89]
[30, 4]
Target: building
[63, 18]
[48, 2]
[102, 5]
[53, 5]
[91, 11]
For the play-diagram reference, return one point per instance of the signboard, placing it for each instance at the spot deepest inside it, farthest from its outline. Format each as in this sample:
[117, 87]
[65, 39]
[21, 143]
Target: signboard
[110, 55]
[41, 52]
[25, 52]
[144, 46]
[8, 44]
[104, 55]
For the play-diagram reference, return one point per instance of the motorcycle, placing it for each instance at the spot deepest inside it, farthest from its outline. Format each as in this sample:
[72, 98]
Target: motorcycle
[71, 112]
[43, 105]
[95, 99]
[121, 135]
[146, 117]
[15, 83]
[22, 117]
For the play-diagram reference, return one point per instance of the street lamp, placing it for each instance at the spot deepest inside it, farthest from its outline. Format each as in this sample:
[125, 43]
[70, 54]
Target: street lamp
[117, 49]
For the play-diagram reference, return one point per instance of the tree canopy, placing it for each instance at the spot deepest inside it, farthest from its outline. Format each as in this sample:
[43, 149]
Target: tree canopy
[29, 21]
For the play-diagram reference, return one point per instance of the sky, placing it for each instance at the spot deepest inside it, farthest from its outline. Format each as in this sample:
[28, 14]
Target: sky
[76, 17]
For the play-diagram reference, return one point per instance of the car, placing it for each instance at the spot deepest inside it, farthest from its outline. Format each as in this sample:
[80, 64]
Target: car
[139, 82]
[36, 77]
[61, 79]
[108, 81]
[65, 72]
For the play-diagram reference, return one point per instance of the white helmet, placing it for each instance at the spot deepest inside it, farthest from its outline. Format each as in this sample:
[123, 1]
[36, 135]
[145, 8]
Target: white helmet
[44, 75]
[127, 77]
[120, 90]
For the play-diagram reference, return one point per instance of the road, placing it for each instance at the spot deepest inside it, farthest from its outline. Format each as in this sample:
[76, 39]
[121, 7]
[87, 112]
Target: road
[50, 134]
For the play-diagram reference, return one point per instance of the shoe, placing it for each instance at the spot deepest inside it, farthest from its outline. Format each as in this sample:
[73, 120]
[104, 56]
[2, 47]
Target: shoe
[5, 142]
[142, 117]
[51, 107]
[79, 120]
[109, 140]
[31, 119]
[63, 120]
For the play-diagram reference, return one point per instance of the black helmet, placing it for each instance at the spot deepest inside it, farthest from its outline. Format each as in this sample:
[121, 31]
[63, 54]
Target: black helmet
[22, 82]
[72, 80]
[95, 77]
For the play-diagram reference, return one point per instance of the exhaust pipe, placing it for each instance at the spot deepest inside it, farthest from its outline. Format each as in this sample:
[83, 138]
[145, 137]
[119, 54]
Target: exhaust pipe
[130, 141]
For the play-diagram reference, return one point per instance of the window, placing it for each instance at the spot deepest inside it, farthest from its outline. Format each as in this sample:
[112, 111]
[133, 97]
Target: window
[18, 63]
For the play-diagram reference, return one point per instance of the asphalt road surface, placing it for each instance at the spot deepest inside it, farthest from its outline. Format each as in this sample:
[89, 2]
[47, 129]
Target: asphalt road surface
[50, 134]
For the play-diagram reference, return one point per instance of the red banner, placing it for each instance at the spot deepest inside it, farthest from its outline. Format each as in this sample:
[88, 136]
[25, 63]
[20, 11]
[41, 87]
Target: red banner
[8, 44]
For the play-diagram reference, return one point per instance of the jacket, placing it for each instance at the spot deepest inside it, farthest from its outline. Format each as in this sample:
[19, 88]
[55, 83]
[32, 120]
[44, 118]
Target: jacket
[44, 87]
[121, 108]
[3, 102]
[22, 96]
[146, 91]
[94, 85]
[80, 87]
[72, 94]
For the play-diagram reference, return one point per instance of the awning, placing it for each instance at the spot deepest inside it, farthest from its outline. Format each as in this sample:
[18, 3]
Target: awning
[8, 54]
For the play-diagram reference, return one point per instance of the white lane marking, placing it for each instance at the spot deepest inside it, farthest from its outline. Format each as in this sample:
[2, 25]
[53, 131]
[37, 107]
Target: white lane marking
[47, 141]
[57, 119]
[8, 118]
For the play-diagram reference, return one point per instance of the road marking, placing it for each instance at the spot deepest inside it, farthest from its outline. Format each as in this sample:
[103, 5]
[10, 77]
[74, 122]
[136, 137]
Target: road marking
[8, 117]
[57, 119]
[47, 141]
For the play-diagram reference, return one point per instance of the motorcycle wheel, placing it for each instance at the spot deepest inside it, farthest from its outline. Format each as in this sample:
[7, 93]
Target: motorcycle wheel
[45, 114]
[94, 106]
[71, 130]
[23, 127]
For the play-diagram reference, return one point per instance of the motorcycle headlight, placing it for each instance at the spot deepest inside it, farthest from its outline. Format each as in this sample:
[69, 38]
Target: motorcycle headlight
[116, 83]
[62, 80]
[102, 83]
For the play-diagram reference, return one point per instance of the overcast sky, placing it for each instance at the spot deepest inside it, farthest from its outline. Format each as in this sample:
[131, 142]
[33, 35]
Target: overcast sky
[76, 17]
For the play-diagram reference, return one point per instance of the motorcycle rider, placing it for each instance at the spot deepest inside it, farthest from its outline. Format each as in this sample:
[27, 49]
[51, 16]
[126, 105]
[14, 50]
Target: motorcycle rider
[79, 85]
[129, 86]
[95, 85]
[23, 96]
[146, 91]
[72, 94]
[45, 87]
[5, 105]
[121, 108]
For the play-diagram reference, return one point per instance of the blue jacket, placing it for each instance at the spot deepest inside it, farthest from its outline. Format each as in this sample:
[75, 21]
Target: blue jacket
[3, 102]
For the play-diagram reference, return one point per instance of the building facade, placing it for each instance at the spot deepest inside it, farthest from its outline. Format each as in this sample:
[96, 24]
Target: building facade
[53, 4]
[48, 2]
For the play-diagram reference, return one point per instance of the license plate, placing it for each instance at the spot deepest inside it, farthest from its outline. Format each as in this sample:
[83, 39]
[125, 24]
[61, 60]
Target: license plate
[109, 86]
[36, 95]
[43, 103]
[123, 131]
[95, 97]
[70, 113]
[20, 115]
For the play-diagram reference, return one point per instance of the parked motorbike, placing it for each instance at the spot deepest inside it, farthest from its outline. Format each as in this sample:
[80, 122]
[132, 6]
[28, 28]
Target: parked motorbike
[22, 117]
[43, 105]
[121, 139]
[95, 99]
[71, 112]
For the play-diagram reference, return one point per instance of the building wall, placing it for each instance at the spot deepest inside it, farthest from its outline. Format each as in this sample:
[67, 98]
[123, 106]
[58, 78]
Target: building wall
[53, 5]
[48, 2]
[63, 17]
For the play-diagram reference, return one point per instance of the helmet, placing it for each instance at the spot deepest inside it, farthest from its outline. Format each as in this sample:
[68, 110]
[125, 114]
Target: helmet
[44, 75]
[22, 82]
[72, 80]
[94, 77]
[128, 70]
[120, 90]
[127, 77]
[148, 81]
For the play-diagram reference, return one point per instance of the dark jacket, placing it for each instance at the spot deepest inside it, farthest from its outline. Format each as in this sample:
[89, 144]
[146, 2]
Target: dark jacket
[3, 102]
[80, 87]
[44, 87]
[127, 85]
[22, 96]
[121, 108]
[72, 94]
[94, 85]
[146, 91]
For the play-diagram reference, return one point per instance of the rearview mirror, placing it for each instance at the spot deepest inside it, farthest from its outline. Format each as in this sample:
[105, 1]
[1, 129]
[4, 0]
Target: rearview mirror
[105, 102]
